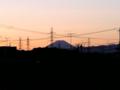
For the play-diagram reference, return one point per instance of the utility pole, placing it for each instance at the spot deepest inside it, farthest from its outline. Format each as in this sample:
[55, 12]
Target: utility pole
[20, 43]
[51, 35]
[28, 44]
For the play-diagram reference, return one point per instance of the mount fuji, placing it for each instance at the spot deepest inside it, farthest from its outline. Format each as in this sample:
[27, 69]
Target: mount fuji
[61, 44]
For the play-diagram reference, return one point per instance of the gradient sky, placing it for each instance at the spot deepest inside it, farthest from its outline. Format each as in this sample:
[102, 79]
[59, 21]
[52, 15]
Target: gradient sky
[64, 15]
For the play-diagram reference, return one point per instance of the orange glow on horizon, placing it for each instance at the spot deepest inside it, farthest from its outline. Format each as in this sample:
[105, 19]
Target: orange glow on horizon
[66, 16]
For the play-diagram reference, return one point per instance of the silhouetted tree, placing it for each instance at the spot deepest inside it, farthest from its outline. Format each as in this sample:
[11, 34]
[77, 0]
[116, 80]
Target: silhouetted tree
[118, 48]
[79, 47]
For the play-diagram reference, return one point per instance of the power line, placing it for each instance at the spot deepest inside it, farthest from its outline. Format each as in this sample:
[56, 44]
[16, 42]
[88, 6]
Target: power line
[70, 35]
[47, 38]
[61, 35]
[37, 39]
[38, 32]
[53, 35]
[22, 29]
[34, 39]
[90, 33]
[95, 38]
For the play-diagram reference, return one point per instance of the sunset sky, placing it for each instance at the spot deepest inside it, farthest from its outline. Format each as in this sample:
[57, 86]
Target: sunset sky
[79, 16]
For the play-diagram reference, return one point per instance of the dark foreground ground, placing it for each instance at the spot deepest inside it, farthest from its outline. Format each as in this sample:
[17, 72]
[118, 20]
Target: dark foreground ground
[59, 70]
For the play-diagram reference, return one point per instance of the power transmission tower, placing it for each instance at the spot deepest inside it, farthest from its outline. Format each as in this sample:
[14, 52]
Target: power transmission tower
[51, 35]
[118, 49]
[7, 41]
[10, 44]
[70, 35]
[89, 44]
[28, 44]
[20, 43]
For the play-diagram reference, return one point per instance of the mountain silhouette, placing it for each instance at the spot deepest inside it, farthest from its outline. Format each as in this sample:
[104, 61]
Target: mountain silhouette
[61, 44]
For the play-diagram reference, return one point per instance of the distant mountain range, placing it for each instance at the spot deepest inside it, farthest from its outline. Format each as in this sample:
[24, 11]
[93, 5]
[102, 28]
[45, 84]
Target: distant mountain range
[101, 49]
[61, 44]
[105, 48]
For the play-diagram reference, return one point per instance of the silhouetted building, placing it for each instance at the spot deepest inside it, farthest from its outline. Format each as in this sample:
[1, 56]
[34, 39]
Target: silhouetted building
[6, 51]
[118, 48]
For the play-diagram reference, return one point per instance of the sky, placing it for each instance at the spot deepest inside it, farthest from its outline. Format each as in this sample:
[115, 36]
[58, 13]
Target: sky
[75, 16]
